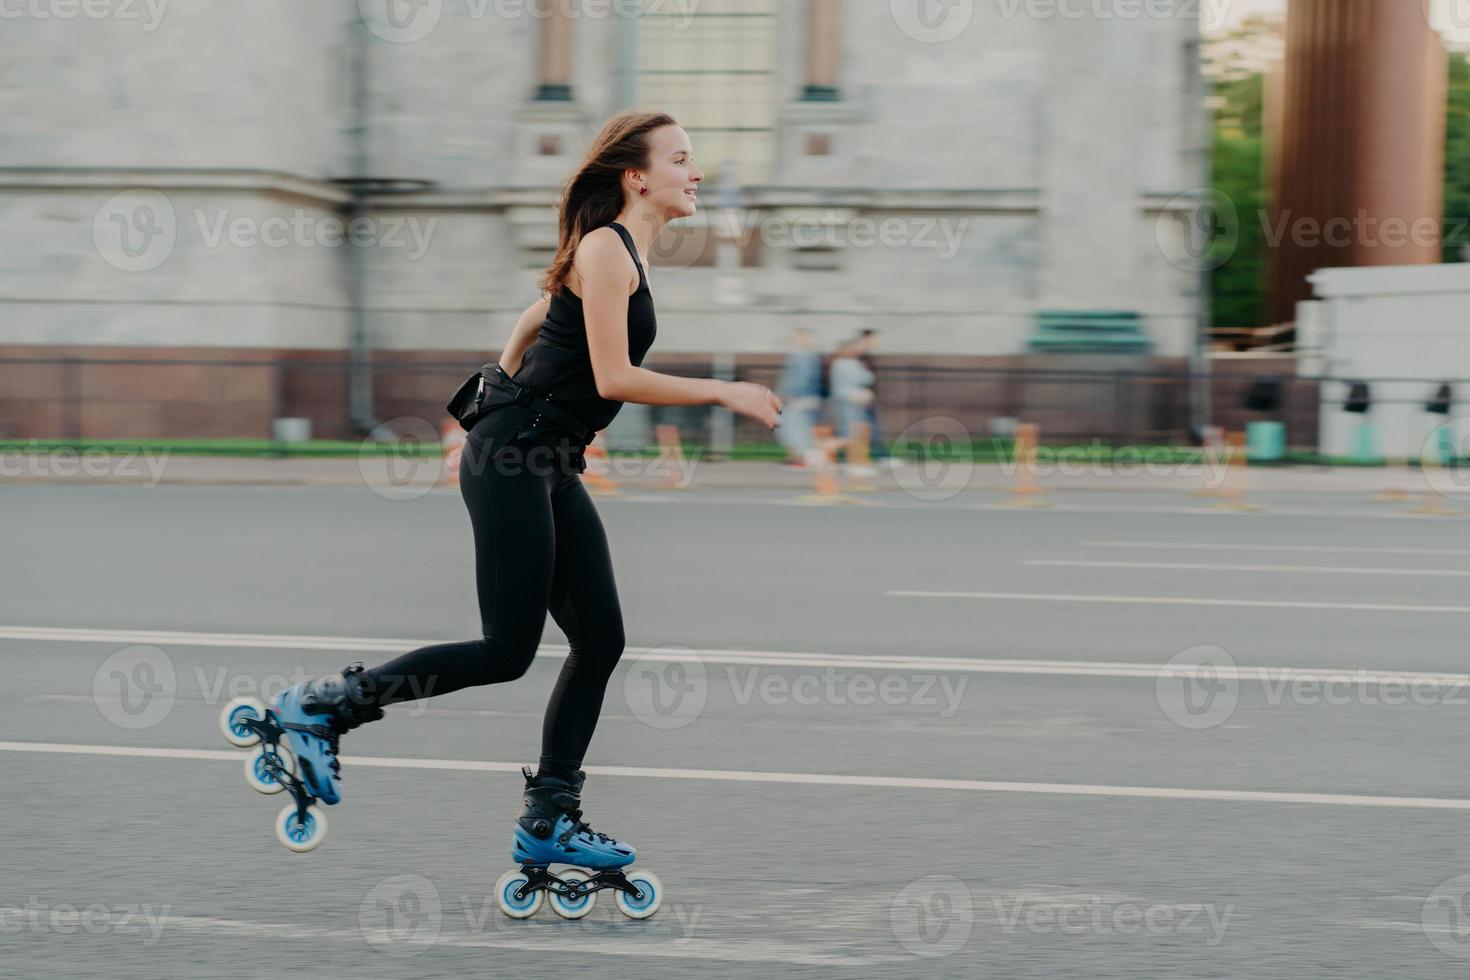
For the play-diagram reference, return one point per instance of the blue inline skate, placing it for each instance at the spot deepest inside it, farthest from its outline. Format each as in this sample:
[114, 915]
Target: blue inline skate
[551, 831]
[298, 738]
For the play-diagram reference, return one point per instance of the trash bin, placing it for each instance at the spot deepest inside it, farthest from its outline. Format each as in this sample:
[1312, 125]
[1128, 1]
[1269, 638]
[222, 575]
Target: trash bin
[1365, 443]
[292, 430]
[1265, 442]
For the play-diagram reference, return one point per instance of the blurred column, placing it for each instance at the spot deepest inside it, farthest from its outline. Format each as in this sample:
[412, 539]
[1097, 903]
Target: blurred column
[554, 60]
[823, 51]
[1089, 163]
[1360, 149]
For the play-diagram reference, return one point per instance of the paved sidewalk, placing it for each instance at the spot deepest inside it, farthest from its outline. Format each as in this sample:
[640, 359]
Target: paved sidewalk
[646, 474]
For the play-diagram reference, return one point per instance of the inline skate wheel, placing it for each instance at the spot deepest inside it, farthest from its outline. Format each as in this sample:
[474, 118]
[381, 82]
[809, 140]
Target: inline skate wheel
[652, 895]
[301, 836]
[232, 718]
[259, 778]
[505, 895]
[573, 908]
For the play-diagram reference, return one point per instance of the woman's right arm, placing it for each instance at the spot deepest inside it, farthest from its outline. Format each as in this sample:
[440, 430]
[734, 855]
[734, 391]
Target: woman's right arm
[527, 329]
[605, 269]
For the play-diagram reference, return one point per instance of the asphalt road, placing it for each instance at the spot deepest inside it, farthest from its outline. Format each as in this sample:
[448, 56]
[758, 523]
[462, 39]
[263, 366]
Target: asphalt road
[902, 738]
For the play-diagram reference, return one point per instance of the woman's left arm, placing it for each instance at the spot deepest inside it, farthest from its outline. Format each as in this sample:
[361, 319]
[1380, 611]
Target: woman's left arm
[527, 329]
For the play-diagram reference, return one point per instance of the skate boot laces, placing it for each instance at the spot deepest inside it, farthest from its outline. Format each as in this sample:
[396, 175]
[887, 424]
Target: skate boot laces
[580, 827]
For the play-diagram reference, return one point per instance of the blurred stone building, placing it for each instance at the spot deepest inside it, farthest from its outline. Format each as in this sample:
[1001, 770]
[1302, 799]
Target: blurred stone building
[175, 175]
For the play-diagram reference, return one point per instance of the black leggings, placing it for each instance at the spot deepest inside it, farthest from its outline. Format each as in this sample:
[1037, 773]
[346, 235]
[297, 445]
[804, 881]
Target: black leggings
[539, 547]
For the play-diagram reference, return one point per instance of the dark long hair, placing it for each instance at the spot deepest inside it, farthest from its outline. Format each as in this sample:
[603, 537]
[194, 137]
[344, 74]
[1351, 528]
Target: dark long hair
[593, 197]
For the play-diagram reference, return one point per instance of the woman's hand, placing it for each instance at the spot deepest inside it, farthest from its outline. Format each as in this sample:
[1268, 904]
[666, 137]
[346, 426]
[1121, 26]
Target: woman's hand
[754, 401]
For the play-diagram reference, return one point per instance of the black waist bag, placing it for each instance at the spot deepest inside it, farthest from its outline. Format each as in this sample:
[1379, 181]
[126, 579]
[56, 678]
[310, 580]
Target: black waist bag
[490, 388]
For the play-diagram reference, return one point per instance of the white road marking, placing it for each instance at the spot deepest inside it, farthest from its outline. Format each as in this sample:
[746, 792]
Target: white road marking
[885, 500]
[797, 778]
[1418, 927]
[667, 943]
[769, 658]
[1304, 548]
[1184, 566]
[1211, 512]
[1179, 601]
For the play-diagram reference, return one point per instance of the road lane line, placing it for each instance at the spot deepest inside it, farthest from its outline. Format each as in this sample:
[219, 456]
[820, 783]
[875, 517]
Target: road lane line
[795, 778]
[1178, 601]
[1304, 548]
[771, 658]
[1185, 566]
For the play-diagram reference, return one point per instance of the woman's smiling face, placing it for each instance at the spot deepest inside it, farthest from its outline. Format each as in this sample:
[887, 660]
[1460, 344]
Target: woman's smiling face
[672, 177]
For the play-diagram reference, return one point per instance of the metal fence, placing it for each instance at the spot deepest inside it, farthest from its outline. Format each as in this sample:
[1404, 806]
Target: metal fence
[157, 398]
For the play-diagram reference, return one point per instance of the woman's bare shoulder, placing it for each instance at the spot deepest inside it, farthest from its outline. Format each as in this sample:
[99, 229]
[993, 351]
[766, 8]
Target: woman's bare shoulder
[601, 252]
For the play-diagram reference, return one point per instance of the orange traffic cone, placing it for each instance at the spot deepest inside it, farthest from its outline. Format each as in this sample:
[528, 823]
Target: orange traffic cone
[822, 460]
[859, 463]
[1235, 475]
[1025, 490]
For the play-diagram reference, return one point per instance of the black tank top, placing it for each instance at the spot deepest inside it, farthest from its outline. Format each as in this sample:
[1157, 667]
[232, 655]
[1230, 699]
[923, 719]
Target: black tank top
[559, 366]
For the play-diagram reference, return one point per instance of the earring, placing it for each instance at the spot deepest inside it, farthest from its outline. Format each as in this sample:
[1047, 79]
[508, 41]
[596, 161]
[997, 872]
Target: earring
[643, 190]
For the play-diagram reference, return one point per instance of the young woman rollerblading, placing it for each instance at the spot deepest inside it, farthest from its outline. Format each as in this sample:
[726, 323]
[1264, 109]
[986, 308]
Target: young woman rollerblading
[573, 359]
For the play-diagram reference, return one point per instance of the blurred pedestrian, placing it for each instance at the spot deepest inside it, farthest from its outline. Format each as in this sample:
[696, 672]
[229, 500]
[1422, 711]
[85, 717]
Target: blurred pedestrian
[852, 392]
[878, 447]
[801, 390]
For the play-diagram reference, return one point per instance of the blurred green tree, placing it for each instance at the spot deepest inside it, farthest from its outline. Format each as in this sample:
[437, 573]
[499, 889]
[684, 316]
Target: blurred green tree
[1237, 287]
[1457, 161]
[1236, 64]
